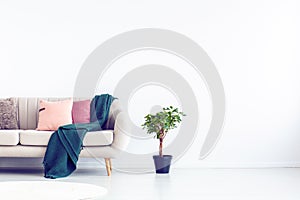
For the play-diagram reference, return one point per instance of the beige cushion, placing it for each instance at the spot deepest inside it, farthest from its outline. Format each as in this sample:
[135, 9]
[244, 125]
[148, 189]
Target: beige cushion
[9, 137]
[98, 138]
[41, 138]
[35, 138]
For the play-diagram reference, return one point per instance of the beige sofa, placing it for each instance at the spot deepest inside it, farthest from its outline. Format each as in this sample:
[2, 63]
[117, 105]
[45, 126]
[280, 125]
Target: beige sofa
[27, 142]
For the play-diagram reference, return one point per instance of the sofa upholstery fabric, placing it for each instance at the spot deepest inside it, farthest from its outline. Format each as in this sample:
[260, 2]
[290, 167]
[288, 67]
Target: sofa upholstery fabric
[41, 138]
[9, 137]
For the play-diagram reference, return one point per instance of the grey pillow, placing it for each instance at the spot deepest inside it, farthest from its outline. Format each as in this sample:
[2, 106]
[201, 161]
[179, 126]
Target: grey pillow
[8, 114]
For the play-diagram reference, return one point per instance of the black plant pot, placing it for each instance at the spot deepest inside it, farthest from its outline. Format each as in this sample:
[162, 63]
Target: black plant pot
[162, 164]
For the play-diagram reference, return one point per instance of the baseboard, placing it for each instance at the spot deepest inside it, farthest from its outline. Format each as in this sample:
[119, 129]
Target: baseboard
[219, 165]
[240, 165]
[38, 163]
[99, 163]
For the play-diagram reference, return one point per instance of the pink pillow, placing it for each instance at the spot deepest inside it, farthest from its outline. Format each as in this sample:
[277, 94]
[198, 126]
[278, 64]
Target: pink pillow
[54, 114]
[81, 111]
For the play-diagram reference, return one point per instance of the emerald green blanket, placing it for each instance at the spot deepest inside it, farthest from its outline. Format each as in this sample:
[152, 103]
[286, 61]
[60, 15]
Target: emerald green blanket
[65, 144]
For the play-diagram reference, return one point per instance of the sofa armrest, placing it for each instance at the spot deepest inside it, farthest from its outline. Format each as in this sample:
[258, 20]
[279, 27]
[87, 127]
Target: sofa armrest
[122, 129]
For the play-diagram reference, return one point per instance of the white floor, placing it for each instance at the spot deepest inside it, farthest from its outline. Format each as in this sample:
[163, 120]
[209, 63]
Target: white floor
[206, 184]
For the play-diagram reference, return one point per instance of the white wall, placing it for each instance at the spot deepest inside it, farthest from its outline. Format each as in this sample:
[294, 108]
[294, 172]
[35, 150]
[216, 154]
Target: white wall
[254, 44]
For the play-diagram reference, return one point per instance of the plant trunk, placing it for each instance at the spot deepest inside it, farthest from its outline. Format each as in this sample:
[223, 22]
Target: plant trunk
[160, 146]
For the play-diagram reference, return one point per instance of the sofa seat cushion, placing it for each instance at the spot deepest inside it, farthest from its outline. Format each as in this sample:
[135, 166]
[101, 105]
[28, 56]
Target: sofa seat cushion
[35, 138]
[9, 137]
[41, 138]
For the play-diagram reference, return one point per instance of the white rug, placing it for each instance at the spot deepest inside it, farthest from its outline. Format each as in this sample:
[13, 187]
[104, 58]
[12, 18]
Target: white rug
[54, 190]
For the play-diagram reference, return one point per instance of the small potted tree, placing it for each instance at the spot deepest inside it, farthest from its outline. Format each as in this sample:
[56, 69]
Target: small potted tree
[160, 124]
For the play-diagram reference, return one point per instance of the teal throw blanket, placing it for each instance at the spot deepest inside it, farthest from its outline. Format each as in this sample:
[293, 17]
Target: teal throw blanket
[65, 144]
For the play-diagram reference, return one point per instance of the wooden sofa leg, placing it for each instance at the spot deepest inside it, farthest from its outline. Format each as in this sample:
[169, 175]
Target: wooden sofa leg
[108, 166]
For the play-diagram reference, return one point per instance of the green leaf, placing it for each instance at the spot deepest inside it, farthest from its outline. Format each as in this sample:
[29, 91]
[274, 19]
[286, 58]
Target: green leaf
[162, 121]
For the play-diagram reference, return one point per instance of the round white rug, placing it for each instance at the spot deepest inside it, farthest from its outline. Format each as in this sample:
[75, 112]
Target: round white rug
[49, 190]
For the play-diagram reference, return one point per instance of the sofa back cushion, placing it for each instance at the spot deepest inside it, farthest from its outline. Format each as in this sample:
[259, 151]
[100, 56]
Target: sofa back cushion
[28, 111]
